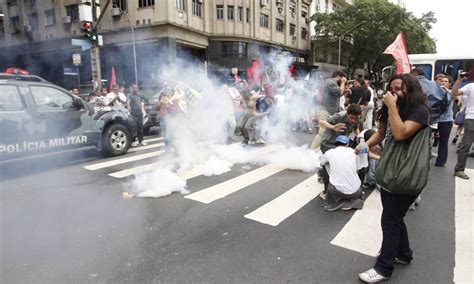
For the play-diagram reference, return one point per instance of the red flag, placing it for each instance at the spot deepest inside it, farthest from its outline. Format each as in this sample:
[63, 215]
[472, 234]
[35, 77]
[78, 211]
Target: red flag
[254, 72]
[398, 50]
[113, 80]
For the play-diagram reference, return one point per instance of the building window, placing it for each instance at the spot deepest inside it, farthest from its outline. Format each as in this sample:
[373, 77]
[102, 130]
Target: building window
[264, 21]
[180, 5]
[304, 11]
[197, 8]
[234, 49]
[220, 12]
[240, 12]
[145, 3]
[334, 7]
[15, 24]
[230, 12]
[304, 33]
[121, 4]
[50, 17]
[247, 16]
[73, 12]
[280, 25]
[292, 29]
[327, 6]
[33, 21]
[292, 7]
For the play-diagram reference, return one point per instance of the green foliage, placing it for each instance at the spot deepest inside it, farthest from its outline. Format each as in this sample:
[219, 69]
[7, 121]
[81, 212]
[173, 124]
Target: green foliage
[373, 25]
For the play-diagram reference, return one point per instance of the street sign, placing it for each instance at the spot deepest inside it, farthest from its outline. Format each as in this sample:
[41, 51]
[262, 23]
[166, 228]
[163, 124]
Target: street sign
[84, 44]
[73, 71]
[76, 59]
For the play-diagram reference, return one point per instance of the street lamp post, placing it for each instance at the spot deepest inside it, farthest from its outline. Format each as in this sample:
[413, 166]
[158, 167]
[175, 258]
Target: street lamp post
[133, 44]
[339, 39]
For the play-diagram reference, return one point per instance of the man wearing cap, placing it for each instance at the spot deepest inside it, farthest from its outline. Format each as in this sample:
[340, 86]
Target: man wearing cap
[343, 189]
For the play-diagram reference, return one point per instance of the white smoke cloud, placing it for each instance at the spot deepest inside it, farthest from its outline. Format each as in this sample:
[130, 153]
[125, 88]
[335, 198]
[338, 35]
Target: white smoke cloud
[200, 132]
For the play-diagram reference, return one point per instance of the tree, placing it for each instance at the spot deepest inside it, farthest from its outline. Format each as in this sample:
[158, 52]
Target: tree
[372, 25]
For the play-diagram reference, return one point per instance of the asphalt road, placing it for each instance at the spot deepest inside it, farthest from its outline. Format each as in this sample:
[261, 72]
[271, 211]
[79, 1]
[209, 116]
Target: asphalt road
[61, 222]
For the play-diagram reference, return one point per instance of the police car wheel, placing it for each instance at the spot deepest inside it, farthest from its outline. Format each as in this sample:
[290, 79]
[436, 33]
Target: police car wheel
[116, 140]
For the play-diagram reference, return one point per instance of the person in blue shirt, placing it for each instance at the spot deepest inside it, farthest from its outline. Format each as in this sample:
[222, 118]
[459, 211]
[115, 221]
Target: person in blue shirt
[445, 122]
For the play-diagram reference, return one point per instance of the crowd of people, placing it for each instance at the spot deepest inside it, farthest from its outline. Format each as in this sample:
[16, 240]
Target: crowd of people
[341, 114]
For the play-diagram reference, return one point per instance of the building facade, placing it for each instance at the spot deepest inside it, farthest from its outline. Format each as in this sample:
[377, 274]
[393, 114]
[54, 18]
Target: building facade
[217, 34]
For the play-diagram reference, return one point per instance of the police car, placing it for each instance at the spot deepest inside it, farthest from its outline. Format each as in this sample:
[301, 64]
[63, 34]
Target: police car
[39, 117]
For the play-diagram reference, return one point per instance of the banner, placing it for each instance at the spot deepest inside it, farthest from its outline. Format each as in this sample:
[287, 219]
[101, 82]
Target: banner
[398, 50]
[113, 80]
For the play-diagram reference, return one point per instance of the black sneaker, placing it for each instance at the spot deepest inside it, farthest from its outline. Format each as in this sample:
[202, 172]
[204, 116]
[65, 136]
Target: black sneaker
[455, 140]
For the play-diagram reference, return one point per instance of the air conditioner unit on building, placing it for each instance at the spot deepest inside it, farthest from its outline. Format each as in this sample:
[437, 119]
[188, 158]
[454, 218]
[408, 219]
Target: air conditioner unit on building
[264, 2]
[66, 20]
[279, 2]
[116, 12]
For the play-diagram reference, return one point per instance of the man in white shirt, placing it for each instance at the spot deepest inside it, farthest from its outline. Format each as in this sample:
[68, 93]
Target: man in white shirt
[369, 109]
[468, 138]
[116, 98]
[343, 190]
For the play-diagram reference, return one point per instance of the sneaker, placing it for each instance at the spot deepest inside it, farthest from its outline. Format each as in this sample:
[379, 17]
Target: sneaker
[134, 144]
[455, 140]
[461, 174]
[260, 141]
[322, 195]
[434, 155]
[412, 206]
[371, 276]
[417, 200]
[401, 261]
[143, 143]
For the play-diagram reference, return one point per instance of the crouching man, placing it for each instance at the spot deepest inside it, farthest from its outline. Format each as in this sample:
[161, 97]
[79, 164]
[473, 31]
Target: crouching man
[343, 191]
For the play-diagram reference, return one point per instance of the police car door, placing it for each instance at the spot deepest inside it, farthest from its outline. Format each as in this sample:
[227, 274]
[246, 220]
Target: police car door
[15, 125]
[62, 117]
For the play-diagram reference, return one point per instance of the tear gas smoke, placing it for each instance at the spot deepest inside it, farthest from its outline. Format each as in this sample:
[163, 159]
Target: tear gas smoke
[204, 124]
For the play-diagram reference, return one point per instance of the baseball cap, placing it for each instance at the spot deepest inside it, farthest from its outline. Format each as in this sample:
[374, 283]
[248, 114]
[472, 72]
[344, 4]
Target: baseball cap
[343, 139]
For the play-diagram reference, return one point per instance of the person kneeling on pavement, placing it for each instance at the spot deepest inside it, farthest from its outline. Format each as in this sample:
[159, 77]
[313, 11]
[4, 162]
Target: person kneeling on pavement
[343, 190]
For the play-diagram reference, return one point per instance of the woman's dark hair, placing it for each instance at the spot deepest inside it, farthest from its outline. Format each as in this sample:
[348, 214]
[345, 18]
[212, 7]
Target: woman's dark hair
[414, 96]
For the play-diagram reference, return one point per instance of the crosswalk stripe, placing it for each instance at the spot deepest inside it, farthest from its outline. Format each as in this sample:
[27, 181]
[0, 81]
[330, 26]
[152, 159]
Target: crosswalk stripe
[363, 232]
[282, 207]
[153, 139]
[115, 162]
[223, 189]
[185, 175]
[464, 223]
[146, 147]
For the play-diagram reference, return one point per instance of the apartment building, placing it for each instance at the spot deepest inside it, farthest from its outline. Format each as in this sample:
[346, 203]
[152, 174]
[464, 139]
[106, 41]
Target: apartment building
[36, 35]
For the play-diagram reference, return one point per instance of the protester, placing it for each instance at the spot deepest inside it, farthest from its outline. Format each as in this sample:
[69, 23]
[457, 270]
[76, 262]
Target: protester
[342, 123]
[468, 138]
[116, 98]
[445, 123]
[369, 109]
[75, 91]
[374, 156]
[137, 110]
[253, 127]
[330, 94]
[344, 190]
[403, 115]
[167, 108]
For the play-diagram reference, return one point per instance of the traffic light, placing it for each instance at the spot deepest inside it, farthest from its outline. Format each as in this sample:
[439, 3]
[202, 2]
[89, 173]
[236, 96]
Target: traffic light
[88, 31]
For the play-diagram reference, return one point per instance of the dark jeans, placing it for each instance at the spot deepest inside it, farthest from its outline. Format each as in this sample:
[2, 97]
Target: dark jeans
[139, 120]
[395, 236]
[467, 140]
[444, 129]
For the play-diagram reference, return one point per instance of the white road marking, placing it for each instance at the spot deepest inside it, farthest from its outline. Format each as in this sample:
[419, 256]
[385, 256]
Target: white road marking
[464, 223]
[282, 207]
[146, 147]
[153, 139]
[223, 189]
[115, 162]
[363, 232]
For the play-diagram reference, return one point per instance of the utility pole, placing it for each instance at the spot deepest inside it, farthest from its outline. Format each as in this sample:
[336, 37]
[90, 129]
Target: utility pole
[95, 52]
